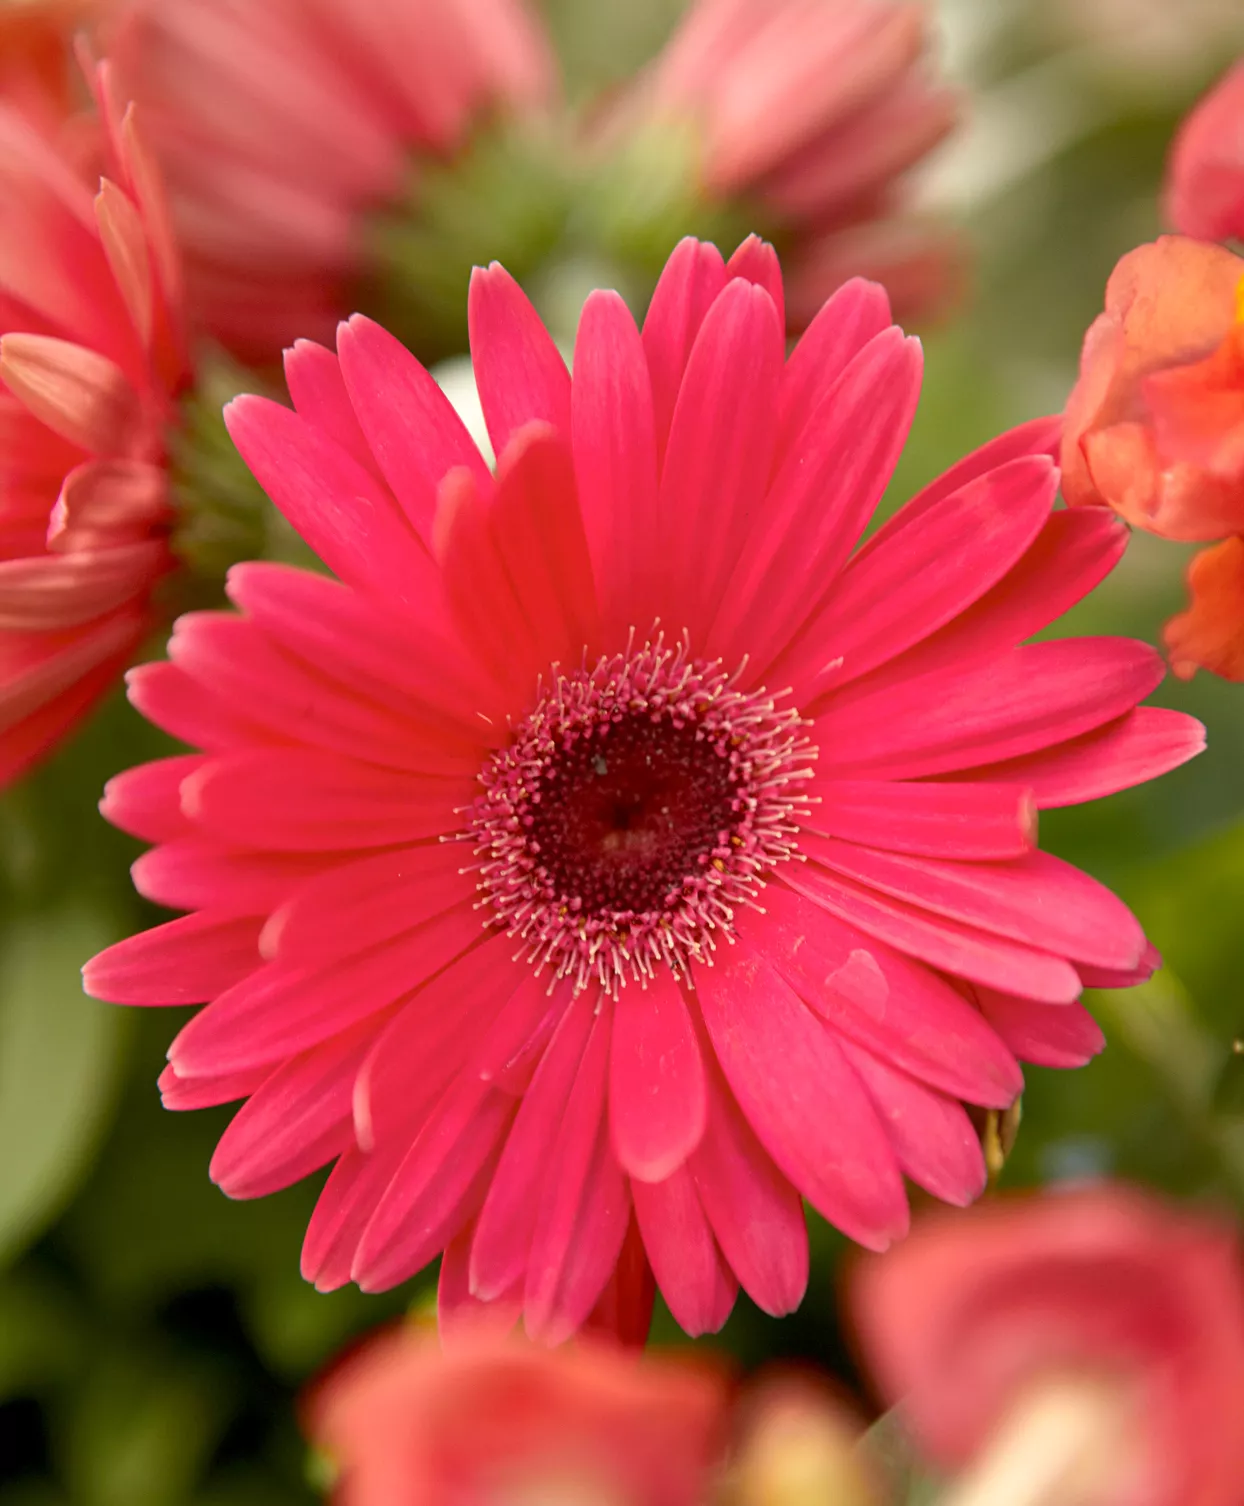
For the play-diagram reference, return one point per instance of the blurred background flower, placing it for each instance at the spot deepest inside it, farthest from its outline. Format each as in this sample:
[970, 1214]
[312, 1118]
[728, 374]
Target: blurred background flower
[153, 1336]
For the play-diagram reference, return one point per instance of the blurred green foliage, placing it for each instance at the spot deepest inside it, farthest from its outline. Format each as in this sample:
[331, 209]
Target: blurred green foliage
[153, 1335]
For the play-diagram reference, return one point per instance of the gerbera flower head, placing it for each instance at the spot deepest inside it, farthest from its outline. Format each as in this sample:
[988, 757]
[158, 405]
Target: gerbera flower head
[611, 857]
[494, 1419]
[91, 359]
[280, 126]
[1100, 1330]
[807, 116]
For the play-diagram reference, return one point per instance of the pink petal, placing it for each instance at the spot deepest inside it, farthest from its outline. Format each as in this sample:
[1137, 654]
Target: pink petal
[278, 1011]
[124, 240]
[472, 1010]
[49, 592]
[303, 800]
[978, 820]
[331, 501]
[167, 696]
[756, 261]
[106, 501]
[518, 369]
[657, 1095]
[623, 1311]
[1137, 747]
[957, 718]
[848, 320]
[1073, 553]
[902, 587]
[190, 874]
[693, 277]
[539, 533]
[1066, 1037]
[825, 490]
[720, 450]
[931, 1134]
[146, 801]
[297, 1121]
[507, 1220]
[238, 662]
[584, 1206]
[615, 456]
[359, 904]
[1039, 436]
[353, 1189]
[318, 392]
[181, 1093]
[460, 1317]
[1125, 977]
[184, 961]
[942, 943]
[698, 1286]
[756, 1215]
[436, 1189]
[408, 662]
[896, 1008]
[802, 1098]
[411, 426]
[1036, 899]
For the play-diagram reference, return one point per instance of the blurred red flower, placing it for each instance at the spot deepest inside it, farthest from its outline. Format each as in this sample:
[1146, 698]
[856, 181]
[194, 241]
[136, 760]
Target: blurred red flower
[1155, 426]
[497, 1420]
[279, 124]
[1113, 1297]
[811, 112]
[1205, 175]
[91, 359]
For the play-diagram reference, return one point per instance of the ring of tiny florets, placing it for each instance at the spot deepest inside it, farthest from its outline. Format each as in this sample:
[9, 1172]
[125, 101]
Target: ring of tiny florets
[770, 758]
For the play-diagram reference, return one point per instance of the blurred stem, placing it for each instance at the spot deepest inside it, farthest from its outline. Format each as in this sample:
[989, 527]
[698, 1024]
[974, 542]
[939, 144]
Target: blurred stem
[1158, 1022]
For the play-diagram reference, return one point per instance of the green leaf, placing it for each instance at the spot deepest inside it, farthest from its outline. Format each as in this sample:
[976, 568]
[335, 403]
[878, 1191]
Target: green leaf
[889, 1446]
[60, 1060]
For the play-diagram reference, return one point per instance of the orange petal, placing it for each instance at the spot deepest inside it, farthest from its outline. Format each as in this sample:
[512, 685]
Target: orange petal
[1210, 634]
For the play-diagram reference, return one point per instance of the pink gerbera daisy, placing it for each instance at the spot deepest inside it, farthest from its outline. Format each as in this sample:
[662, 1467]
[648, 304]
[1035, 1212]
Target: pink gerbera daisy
[92, 359]
[610, 842]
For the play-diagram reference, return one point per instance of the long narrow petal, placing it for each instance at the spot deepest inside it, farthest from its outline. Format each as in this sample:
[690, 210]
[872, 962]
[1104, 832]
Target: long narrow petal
[186, 961]
[518, 369]
[1036, 695]
[937, 820]
[351, 522]
[658, 1100]
[803, 1098]
[411, 426]
[1137, 747]
[191, 874]
[943, 943]
[615, 457]
[918, 579]
[693, 277]
[698, 1286]
[850, 318]
[895, 1007]
[146, 801]
[1066, 1037]
[1036, 899]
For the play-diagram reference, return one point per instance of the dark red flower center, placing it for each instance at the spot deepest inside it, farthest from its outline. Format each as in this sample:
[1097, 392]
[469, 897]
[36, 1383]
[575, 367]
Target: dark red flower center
[633, 810]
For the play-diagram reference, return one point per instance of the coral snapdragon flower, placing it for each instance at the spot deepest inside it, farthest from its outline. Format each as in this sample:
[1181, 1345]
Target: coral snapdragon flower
[1155, 428]
[280, 125]
[1090, 1339]
[91, 360]
[610, 841]
[813, 114]
[497, 1420]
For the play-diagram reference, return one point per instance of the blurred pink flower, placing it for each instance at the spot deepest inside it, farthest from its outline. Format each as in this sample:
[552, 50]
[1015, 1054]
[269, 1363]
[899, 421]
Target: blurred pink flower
[496, 1420]
[91, 357]
[1205, 177]
[515, 890]
[279, 124]
[1155, 424]
[974, 1316]
[810, 112]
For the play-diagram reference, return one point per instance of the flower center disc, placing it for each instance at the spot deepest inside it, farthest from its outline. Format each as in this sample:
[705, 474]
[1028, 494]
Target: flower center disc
[638, 804]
